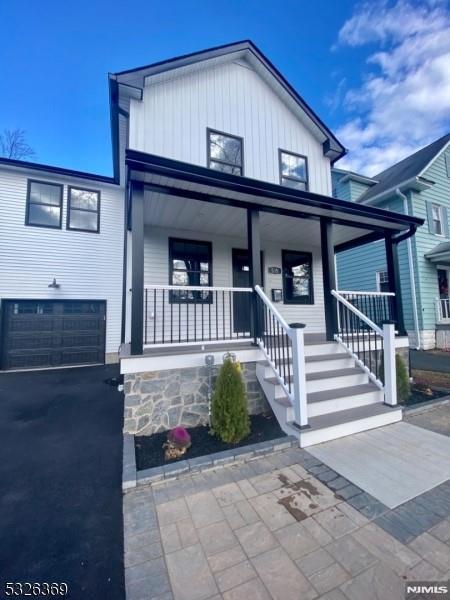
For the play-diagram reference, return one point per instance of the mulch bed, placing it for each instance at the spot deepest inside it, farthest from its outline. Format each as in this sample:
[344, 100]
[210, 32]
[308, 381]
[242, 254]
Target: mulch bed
[423, 393]
[149, 451]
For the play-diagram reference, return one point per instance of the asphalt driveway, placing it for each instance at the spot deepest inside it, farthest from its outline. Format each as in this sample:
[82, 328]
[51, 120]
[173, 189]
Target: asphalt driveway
[60, 481]
[430, 361]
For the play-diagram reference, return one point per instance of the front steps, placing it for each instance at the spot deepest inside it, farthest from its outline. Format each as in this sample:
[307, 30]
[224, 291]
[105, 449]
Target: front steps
[340, 397]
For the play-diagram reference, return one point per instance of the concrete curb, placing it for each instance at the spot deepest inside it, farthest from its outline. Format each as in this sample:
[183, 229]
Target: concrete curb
[425, 406]
[131, 478]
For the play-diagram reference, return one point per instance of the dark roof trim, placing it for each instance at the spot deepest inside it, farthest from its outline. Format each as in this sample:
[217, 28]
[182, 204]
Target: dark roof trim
[114, 120]
[361, 241]
[331, 146]
[10, 162]
[141, 161]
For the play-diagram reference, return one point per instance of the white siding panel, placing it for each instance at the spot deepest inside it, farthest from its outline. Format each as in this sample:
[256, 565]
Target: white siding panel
[157, 273]
[173, 117]
[86, 265]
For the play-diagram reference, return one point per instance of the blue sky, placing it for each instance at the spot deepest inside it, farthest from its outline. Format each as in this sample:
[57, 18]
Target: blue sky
[378, 74]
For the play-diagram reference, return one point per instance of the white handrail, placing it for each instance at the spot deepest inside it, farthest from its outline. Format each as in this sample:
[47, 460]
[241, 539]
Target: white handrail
[365, 293]
[358, 313]
[273, 309]
[197, 288]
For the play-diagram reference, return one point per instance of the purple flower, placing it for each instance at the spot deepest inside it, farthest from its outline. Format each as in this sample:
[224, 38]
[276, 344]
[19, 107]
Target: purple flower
[179, 436]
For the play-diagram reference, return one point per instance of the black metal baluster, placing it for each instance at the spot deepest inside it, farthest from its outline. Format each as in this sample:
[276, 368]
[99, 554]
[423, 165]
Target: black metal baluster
[203, 319]
[231, 313]
[179, 319]
[217, 318]
[163, 326]
[223, 315]
[171, 315]
[209, 316]
[187, 319]
[145, 315]
[195, 321]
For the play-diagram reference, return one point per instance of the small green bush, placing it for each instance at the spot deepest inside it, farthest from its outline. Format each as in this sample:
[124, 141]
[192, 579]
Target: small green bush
[229, 411]
[403, 385]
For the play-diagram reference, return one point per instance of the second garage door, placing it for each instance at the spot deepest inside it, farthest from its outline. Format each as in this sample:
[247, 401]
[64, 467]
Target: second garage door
[46, 333]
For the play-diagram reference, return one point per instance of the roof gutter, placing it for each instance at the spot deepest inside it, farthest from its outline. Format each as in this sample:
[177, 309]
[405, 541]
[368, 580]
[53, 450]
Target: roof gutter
[411, 270]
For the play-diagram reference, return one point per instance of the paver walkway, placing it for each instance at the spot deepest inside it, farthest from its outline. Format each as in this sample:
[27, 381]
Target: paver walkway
[270, 529]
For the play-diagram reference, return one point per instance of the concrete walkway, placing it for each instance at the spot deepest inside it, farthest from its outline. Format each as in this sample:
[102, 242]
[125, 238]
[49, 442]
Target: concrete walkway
[393, 463]
[271, 529]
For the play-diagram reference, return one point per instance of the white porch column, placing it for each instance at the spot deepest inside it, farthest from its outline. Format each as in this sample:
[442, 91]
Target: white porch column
[299, 377]
[390, 371]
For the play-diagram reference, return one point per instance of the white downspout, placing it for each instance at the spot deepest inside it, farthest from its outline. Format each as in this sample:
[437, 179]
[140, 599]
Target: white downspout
[411, 272]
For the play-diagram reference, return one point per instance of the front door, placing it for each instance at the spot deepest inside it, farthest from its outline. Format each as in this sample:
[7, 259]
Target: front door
[241, 300]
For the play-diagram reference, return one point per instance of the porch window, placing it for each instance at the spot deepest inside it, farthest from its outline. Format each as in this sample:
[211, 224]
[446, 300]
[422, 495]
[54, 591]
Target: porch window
[44, 204]
[83, 211]
[437, 219]
[297, 277]
[225, 152]
[190, 264]
[382, 279]
[293, 170]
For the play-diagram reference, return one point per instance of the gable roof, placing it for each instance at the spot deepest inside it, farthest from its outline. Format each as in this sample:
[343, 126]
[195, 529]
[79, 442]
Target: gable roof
[133, 80]
[405, 171]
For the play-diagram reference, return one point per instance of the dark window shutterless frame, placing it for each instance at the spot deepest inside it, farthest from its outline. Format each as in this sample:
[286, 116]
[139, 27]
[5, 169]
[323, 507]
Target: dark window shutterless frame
[31, 203]
[197, 297]
[211, 159]
[290, 177]
[288, 288]
[71, 209]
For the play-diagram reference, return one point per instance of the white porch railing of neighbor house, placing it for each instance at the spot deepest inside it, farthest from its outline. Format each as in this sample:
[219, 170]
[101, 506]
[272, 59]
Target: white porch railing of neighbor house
[442, 309]
[185, 314]
[282, 345]
[371, 345]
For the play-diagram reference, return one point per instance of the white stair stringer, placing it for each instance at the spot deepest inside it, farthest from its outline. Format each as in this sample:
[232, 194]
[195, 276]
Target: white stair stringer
[341, 400]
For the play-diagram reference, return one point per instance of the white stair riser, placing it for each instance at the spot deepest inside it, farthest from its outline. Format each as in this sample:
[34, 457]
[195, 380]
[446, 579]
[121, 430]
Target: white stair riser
[328, 348]
[272, 391]
[323, 365]
[337, 431]
[325, 407]
[335, 383]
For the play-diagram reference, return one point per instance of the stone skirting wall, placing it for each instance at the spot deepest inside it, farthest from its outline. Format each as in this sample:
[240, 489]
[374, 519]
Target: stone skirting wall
[159, 400]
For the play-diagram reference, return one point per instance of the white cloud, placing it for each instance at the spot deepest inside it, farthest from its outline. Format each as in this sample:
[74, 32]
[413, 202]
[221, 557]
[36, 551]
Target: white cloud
[403, 102]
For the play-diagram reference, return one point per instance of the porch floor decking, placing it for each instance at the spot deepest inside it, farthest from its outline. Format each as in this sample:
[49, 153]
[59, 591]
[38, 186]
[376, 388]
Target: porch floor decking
[394, 463]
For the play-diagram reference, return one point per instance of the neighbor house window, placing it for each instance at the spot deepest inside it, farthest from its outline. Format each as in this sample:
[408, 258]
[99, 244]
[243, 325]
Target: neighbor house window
[83, 211]
[293, 170]
[297, 277]
[382, 278]
[190, 264]
[44, 204]
[225, 152]
[436, 211]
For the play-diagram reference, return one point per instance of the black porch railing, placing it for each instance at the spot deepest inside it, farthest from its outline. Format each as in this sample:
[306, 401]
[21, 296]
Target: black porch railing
[186, 314]
[379, 307]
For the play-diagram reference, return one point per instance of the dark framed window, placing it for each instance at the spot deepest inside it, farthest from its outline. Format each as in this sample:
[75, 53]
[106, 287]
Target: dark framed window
[44, 204]
[83, 210]
[297, 277]
[225, 152]
[382, 279]
[293, 170]
[190, 264]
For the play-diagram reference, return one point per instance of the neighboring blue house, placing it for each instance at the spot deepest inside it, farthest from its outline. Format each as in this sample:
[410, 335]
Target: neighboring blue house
[418, 186]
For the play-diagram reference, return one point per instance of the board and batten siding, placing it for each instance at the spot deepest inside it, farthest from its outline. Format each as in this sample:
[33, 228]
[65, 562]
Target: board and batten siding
[173, 117]
[87, 266]
[156, 272]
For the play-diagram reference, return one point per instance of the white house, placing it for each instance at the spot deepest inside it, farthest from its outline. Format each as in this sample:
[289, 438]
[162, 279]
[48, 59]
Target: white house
[222, 187]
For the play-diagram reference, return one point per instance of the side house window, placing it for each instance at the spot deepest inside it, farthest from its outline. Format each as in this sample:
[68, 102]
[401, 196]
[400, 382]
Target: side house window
[297, 277]
[83, 210]
[190, 264]
[44, 204]
[293, 170]
[225, 152]
[382, 278]
[437, 219]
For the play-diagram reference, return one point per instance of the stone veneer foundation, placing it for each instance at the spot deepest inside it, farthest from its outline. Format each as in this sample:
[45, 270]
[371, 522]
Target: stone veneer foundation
[159, 400]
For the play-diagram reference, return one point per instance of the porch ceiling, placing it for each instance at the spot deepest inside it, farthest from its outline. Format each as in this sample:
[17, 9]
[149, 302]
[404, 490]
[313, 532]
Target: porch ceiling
[172, 212]
[170, 179]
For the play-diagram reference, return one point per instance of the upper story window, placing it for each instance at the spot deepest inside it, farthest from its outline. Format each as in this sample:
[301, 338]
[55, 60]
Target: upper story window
[44, 204]
[293, 170]
[297, 277]
[190, 264]
[83, 211]
[225, 152]
[436, 213]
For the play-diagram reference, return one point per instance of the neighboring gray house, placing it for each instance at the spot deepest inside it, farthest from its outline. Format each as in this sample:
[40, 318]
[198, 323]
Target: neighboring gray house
[417, 186]
[217, 233]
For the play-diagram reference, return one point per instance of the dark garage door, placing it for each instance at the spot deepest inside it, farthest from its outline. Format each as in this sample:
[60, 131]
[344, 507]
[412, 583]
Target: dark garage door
[46, 333]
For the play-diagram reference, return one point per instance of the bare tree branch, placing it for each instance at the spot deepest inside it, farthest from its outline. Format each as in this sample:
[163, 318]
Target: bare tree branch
[13, 144]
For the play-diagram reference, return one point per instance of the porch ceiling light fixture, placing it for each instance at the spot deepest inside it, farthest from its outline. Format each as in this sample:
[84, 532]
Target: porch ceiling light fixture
[53, 284]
